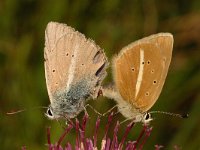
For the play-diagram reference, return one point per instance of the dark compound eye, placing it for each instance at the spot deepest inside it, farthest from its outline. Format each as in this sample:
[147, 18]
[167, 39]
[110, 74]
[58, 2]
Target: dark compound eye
[49, 112]
[147, 116]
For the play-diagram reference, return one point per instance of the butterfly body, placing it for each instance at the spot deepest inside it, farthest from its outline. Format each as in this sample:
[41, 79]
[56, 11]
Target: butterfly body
[71, 103]
[125, 108]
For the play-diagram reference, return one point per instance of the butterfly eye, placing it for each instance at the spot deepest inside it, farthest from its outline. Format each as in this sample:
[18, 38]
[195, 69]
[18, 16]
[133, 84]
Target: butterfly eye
[148, 116]
[49, 113]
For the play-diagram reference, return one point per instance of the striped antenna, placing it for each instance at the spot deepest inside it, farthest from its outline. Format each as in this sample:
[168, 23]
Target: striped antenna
[170, 114]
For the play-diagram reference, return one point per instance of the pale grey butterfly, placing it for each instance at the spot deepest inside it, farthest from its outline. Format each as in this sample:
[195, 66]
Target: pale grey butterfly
[74, 69]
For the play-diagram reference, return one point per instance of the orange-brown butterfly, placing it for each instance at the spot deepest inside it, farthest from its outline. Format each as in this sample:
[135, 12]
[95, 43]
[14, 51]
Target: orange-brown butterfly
[140, 70]
[74, 69]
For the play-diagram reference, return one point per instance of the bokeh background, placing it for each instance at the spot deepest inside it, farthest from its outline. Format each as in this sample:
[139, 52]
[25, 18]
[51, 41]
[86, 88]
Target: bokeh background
[112, 24]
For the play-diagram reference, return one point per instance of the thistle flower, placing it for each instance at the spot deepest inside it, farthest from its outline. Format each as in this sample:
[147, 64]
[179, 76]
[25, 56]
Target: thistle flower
[107, 143]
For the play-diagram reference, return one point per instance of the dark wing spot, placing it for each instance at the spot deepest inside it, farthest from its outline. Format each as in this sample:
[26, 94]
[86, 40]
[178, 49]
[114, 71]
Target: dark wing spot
[143, 62]
[133, 69]
[152, 71]
[99, 70]
[147, 94]
[82, 64]
[72, 55]
[54, 70]
[154, 82]
[67, 54]
[148, 62]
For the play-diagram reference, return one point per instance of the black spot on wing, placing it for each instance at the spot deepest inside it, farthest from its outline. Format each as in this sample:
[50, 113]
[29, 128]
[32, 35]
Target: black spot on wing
[155, 81]
[98, 72]
[147, 94]
[133, 69]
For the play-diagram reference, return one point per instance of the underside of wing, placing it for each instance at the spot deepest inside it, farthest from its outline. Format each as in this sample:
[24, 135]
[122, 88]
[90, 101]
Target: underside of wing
[141, 68]
[125, 72]
[70, 58]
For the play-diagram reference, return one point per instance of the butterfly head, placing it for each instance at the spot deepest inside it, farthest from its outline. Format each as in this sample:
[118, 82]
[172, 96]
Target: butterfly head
[146, 118]
[53, 113]
[49, 113]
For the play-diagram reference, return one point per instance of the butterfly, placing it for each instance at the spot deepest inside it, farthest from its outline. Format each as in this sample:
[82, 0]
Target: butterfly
[74, 69]
[139, 71]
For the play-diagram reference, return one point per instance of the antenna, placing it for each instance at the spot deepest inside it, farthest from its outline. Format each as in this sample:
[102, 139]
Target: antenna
[15, 112]
[170, 114]
[22, 110]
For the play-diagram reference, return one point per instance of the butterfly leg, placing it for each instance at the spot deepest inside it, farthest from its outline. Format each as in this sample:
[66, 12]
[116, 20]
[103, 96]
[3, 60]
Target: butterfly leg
[124, 121]
[111, 109]
[68, 120]
[88, 105]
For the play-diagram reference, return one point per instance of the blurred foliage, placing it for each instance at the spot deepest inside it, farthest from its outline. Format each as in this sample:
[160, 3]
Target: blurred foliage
[112, 24]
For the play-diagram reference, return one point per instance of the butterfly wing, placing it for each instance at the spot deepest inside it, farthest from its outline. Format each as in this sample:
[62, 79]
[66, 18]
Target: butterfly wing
[141, 68]
[69, 58]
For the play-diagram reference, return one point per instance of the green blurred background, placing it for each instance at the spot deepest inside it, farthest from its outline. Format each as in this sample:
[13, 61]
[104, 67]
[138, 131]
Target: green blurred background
[112, 24]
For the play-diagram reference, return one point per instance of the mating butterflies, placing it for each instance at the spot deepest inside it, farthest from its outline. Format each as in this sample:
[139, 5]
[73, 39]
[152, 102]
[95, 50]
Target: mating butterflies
[75, 68]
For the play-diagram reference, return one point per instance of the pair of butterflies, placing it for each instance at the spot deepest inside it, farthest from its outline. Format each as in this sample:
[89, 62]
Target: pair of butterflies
[75, 68]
